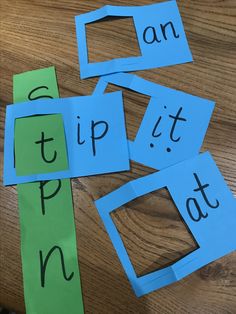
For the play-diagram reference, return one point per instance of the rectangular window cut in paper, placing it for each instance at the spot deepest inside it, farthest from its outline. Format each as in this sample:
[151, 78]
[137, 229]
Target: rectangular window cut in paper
[160, 34]
[66, 138]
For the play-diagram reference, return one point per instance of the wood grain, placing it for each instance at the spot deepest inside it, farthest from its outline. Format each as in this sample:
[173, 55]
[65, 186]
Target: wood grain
[36, 34]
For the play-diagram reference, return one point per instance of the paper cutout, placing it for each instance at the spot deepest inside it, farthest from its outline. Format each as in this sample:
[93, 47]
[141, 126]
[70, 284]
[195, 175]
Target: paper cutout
[48, 243]
[47, 228]
[160, 34]
[205, 203]
[46, 85]
[32, 155]
[95, 135]
[174, 124]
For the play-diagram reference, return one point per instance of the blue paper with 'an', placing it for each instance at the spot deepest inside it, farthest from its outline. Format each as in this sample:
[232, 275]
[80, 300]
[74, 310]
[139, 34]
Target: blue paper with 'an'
[160, 34]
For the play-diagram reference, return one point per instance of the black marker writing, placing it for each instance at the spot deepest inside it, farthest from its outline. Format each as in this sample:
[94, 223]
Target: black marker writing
[202, 188]
[176, 118]
[150, 29]
[48, 197]
[198, 208]
[42, 142]
[155, 128]
[97, 137]
[191, 200]
[163, 29]
[78, 134]
[38, 97]
[151, 33]
[44, 262]
[154, 134]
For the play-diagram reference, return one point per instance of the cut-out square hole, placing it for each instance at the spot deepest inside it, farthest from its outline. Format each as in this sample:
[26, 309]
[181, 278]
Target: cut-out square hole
[35, 115]
[111, 38]
[153, 232]
[135, 105]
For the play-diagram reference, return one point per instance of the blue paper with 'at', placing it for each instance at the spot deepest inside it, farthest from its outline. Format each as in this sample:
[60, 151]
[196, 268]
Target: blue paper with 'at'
[206, 205]
[160, 34]
[174, 124]
[81, 116]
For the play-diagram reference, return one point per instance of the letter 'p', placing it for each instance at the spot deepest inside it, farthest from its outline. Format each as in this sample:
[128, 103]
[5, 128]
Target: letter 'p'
[43, 197]
[95, 136]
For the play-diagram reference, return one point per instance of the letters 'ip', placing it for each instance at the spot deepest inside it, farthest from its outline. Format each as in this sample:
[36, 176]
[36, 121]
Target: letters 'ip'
[90, 132]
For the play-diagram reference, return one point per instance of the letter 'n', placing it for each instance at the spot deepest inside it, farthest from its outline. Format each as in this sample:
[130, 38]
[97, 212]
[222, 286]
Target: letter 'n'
[44, 263]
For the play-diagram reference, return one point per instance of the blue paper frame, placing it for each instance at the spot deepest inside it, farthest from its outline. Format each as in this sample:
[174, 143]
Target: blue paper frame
[80, 159]
[215, 233]
[163, 101]
[168, 52]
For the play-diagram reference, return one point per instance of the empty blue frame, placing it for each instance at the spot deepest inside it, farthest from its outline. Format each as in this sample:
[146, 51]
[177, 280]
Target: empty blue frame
[174, 124]
[206, 205]
[160, 33]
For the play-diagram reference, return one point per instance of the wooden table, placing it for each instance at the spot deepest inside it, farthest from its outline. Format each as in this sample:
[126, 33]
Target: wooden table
[36, 34]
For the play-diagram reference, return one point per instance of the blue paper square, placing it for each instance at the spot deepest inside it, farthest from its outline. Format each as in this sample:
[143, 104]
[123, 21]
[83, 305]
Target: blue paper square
[174, 124]
[160, 34]
[85, 118]
[206, 205]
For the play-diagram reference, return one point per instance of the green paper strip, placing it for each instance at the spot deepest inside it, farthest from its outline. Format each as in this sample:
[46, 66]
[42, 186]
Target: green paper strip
[48, 240]
[34, 85]
[40, 145]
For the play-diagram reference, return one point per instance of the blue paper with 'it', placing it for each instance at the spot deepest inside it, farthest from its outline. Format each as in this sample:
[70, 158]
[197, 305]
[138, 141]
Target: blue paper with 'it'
[82, 117]
[160, 34]
[174, 124]
[206, 205]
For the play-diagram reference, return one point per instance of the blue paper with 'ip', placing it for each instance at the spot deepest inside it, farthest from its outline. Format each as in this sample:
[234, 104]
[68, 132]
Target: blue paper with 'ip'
[82, 117]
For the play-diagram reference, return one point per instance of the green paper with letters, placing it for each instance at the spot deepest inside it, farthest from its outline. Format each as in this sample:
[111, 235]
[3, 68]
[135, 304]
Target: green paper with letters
[34, 85]
[40, 145]
[48, 240]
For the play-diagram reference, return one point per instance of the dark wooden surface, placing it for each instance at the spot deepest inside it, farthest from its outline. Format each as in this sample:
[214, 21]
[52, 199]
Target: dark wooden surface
[36, 34]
